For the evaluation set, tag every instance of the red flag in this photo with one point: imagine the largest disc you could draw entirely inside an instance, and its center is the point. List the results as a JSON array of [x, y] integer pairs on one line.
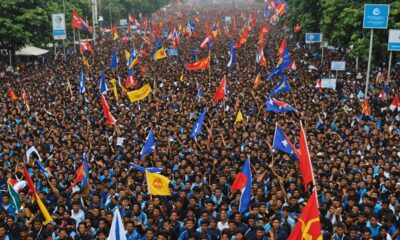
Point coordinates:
[[282, 48], [78, 176], [309, 224], [79, 23], [11, 94], [156, 30], [243, 38], [239, 183], [297, 28], [201, 64], [234, 29], [220, 93], [252, 20], [130, 81], [134, 21], [144, 23], [292, 66], [366, 109], [304, 158], [85, 46], [25, 98], [106, 111], [257, 81], [395, 104], [29, 181]]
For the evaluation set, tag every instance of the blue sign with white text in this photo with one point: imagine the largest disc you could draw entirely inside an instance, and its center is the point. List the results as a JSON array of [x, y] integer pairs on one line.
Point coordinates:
[[376, 16], [313, 37]]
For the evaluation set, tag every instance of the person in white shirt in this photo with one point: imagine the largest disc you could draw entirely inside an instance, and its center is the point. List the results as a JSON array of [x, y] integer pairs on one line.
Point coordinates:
[[77, 213], [223, 220]]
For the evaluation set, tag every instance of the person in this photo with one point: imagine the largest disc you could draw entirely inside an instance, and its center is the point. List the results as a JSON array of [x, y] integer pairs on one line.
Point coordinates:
[[278, 232]]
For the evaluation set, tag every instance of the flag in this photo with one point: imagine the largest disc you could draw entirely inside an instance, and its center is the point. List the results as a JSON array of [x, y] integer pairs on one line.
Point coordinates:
[[133, 20], [106, 111], [221, 90], [86, 63], [69, 87], [43, 169], [277, 106], [243, 182], [383, 95], [283, 64], [206, 42], [395, 104], [297, 28], [25, 99], [199, 91], [304, 159], [239, 117], [160, 53], [155, 28], [243, 37], [15, 200], [81, 83], [282, 48], [214, 29], [114, 31], [283, 86], [292, 66], [11, 94], [114, 60], [85, 175], [226, 30], [257, 81], [144, 24], [139, 94], [114, 85], [143, 169], [130, 80], [201, 64], [157, 184], [198, 125], [309, 225], [282, 143], [77, 22], [78, 178], [117, 230], [149, 146], [85, 46], [131, 58], [103, 85], [29, 181], [43, 209], [366, 109], [232, 60]]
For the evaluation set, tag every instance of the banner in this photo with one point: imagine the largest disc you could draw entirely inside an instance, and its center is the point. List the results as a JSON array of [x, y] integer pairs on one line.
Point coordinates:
[[59, 32], [326, 83], [139, 94]]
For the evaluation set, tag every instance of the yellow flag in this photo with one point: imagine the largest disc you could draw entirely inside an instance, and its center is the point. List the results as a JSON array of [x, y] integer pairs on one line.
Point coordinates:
[[45, 213], [181, 77], [114, 84], [160, 54], [180, 27], [128, 56], [239, 117], [158, 184], [69, 87], [86, 63], [139, 94]]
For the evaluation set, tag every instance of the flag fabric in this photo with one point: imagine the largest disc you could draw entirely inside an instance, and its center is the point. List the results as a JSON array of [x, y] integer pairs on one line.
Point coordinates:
[[201, 64], [155, 28], [81, 82], [139, 94], [11, 94], [232, 59], [117, 230], [43, 169], [309, 225], [149, 146], [133, 20], [85, 175], [292, 66], [283, 64], [114, 31], [114, 85], [160, 54], [43, 209], [199, 91], [15, 199], [18, 185], [206, 42], [304, 159], [106, 111], [257, 81], [383, 95], [198, 125], [85, 46], [260, 58], [86, 63], [221, 90], [78, 178], [214, 29], [29, 182], [282, 143], [77, 22], [130, 80], [103, 85], [239, 117], [243, 182], [395, 104], [143, 169], [274, 105], [366, 109], [244, 35], [25, 99], [158, 184], [283, 86], [282, 48], [114, 60], [131, 58]]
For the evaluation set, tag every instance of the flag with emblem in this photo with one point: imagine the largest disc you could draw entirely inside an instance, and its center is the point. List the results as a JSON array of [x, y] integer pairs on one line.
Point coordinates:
[[243, 183], [274, 105], [282, 86], [158, 184], [282, 142]]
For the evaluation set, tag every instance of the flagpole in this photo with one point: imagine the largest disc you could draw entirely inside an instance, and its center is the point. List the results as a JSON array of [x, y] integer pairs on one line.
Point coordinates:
[[73, 31]]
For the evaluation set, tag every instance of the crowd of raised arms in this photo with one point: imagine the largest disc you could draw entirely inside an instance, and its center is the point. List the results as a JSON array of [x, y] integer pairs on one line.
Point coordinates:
[[93, 147]]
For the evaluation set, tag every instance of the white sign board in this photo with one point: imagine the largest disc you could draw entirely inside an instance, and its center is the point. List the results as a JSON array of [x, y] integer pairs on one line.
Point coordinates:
[[338, 65], [123, 22], [228, 19], [394, 40], [327, 83], [59, 32]]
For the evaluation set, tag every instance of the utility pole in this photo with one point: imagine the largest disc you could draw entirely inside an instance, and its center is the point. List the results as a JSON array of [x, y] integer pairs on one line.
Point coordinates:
[[94, 17]]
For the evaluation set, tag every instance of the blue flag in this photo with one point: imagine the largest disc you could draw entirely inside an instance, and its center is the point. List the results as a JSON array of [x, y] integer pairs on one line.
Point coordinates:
[[114, 60], [172, 52], [243, 182], [43, 169], [283, 86], [232, 60], [285, 62], [283, 143], [149, 146], [199, 92], [198, 125], [103, 85], [85, 174], [143, 169], [277, 106], [194, 58], [81, 82]]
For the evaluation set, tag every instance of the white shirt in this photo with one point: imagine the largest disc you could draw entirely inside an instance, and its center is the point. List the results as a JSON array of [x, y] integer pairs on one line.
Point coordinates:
[[79, 216], [222, 226]]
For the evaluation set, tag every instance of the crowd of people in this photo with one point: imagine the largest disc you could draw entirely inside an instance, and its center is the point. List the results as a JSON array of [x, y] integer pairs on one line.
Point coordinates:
[[355, 157]]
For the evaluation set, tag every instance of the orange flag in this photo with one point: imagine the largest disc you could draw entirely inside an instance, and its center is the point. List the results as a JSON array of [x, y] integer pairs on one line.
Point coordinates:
[[366, 109], [282, 48], [201, 64], [11, 94], [309, 224], [257, 81], [243, 38], [304, 158]]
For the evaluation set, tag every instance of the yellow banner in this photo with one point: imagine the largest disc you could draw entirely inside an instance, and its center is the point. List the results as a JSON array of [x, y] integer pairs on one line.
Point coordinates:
[[139, 94]]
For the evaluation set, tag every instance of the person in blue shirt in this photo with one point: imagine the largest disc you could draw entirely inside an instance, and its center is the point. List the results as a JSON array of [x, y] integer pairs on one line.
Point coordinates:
[[189, 229], [374, 225]]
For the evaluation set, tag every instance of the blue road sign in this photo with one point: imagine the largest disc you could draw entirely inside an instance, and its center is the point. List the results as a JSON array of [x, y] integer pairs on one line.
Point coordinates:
[[313, 37], [394, 40], [376, 16]]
